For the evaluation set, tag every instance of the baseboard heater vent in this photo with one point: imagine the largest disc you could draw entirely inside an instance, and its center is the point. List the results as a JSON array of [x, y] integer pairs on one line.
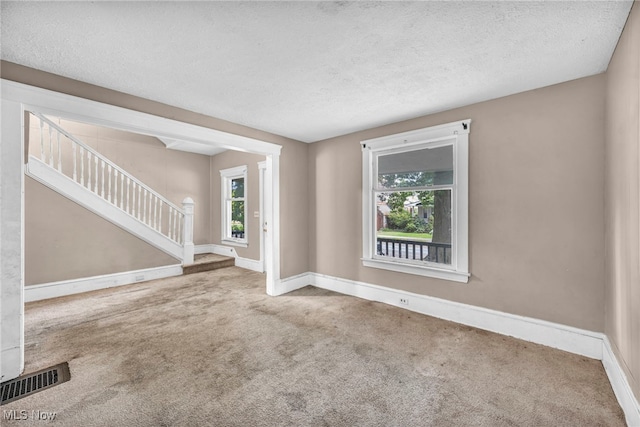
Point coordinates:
[[28, 384]]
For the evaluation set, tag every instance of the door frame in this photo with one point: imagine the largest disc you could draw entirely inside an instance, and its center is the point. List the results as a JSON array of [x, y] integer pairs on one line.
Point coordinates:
[[262, 167]]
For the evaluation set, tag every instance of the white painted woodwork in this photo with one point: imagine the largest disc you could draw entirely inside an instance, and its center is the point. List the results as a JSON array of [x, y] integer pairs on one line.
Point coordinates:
[[11, 241], [262, 166], [454, 133], [226, 178], [189, 248], [620, 385], [74, 286], [97, 167], [100, 206]]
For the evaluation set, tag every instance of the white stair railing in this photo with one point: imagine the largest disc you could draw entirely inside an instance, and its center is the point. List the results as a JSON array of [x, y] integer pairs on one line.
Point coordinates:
[[73, 158]]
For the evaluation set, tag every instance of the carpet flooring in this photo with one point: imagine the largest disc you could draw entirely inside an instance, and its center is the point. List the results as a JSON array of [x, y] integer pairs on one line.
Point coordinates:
[[212, 349]]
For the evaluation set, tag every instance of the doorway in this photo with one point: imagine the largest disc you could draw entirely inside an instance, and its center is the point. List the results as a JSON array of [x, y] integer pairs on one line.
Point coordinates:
[[18, 98]]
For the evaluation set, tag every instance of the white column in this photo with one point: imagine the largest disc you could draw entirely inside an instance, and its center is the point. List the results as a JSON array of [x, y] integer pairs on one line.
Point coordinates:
[[11, 242], [189, 249], [272, 223], [262, 167]]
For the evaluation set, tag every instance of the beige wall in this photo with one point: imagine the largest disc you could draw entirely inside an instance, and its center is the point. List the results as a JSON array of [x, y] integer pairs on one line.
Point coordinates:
[[66, 241], [294, 235], [535, 206], [622, 198], [230, 159], [174, 174]]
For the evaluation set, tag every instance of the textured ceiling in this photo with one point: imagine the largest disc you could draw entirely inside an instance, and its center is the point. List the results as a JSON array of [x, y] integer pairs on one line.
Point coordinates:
[[311, 70]]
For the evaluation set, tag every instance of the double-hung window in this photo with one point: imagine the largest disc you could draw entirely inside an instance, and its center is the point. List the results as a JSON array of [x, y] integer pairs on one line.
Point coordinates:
[[415, 202], [234, 206]]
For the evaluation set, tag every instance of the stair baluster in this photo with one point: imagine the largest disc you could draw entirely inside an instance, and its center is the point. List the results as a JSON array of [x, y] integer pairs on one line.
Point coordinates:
[[89, 169], [50, 147], [81, 166], [75, 167], [108, 182], [95, 185], [59, 153], [42, 141]]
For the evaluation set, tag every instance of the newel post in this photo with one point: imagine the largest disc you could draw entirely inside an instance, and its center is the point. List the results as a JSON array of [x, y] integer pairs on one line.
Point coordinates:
[[187, 205]]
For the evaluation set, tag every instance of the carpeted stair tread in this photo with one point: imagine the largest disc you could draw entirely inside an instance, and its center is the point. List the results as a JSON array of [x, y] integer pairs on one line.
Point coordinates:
[[208, 262]]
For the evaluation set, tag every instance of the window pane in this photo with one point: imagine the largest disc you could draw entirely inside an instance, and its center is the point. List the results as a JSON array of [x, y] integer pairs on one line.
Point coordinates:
[[428, 166], [414, 225], [237, 219], [237, 188]]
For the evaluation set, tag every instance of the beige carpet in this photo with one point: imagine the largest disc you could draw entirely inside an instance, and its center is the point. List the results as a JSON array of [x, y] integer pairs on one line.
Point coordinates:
[[212, 349]]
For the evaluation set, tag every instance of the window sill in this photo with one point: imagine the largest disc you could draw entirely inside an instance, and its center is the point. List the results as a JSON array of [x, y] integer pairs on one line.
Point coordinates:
[[235, 243], [438, 273]]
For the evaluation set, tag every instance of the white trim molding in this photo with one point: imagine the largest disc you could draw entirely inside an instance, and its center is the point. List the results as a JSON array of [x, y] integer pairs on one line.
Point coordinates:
[[86, 284], [293, 283], [262, 168], [567, 338], [87, 111], [249, 264], [11, 240], [620, 385], [212, 248], [454, 135], [227, 176], [100, 206]]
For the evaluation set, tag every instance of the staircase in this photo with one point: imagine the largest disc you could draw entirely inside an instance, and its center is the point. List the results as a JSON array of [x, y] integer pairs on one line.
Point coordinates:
[[78, 172]]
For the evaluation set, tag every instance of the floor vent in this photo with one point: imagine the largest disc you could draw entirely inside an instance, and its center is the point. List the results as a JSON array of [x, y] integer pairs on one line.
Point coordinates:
[[28, 384]]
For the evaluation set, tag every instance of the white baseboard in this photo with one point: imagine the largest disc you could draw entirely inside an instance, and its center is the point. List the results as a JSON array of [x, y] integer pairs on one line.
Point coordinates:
[[620, 385], [75, 286], [212, 248], [249, 264], [574, 340], [292, 283]]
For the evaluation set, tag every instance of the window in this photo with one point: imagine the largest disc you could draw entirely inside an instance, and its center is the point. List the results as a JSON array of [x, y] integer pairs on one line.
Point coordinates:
[[234, 207], [415, 202]]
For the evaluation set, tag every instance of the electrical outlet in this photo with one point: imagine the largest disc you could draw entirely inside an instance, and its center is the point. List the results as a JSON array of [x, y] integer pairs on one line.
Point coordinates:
[[404, 301]]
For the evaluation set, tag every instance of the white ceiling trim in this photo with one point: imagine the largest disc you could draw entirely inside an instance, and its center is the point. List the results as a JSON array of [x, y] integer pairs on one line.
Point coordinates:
[[192, 147], [86, 111]]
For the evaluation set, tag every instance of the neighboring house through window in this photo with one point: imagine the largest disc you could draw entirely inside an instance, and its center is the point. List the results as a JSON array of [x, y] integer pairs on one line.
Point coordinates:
[[415, 202], [234, 206]]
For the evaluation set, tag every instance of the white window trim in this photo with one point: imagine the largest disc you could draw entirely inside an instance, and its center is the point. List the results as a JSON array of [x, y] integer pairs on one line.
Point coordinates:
[[458, 134], [226, 176]]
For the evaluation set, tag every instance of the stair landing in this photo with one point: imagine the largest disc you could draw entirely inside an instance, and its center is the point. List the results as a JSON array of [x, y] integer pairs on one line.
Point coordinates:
[[208, 262]]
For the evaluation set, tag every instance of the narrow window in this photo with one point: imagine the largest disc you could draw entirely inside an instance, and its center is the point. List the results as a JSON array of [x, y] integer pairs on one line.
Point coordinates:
[[415, 202], [234, 207]]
